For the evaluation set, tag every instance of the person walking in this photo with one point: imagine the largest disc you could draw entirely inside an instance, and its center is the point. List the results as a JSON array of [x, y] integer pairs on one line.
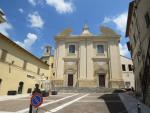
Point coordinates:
[[36, 90]]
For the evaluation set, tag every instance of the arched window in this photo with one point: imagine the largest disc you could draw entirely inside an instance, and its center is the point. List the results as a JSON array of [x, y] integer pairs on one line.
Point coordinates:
[[21, 83], [20, 87]]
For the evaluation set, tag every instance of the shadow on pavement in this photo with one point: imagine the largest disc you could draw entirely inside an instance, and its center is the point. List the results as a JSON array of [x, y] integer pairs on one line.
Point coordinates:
[[114, 103]]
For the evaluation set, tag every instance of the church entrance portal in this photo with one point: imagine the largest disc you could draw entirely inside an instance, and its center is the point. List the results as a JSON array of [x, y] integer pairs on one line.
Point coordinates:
[[70, 79], [101, 80]]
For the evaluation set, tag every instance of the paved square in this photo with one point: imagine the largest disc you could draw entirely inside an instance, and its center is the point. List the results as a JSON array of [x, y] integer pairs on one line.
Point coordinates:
[[68, 103]]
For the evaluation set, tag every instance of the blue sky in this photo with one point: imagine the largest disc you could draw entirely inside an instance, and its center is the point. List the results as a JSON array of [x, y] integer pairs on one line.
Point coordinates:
[[34, 23]]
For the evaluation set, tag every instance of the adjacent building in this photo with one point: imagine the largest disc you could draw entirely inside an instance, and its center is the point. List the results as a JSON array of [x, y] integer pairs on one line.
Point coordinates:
[[48, 58], [19, 69], [138, 31], [88, 60], [127, 72]]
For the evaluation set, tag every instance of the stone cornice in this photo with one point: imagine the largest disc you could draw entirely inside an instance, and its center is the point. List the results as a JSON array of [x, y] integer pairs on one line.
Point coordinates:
[[100, 59], [93, 38], [71, 59]]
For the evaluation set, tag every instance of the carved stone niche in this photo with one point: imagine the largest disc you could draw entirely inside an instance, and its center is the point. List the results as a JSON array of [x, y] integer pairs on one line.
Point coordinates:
[[70, 71], [70, 66], [100, 65]]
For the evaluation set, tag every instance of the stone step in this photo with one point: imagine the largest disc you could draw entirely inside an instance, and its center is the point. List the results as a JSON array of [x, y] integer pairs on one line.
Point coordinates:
[[86, 90]]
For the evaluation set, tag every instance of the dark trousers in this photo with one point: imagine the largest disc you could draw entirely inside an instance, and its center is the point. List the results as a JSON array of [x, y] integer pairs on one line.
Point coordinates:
[[30, 109]]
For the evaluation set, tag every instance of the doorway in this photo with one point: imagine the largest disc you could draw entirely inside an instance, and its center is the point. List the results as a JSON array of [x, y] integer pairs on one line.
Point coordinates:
[[70, 79], [20, 87], [101, 80], [0, 83]]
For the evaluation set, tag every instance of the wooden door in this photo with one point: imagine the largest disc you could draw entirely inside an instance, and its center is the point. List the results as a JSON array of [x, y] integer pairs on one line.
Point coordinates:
[[70, 79], [102, 80]]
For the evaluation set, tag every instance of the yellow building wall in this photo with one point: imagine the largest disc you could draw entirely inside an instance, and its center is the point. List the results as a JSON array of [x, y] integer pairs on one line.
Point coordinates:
[[50, 62], [51, 69], [12, 75], [13, 69], [17, 61], [31, 67]]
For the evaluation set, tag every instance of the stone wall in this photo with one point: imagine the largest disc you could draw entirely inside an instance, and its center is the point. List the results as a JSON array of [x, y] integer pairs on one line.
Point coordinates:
[[87, 83]]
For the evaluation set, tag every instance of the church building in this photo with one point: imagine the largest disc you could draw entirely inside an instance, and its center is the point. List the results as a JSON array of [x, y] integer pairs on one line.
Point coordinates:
[[88, 60]]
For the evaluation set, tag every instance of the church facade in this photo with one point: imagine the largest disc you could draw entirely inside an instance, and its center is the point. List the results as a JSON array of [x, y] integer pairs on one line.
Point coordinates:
[[88, 60]]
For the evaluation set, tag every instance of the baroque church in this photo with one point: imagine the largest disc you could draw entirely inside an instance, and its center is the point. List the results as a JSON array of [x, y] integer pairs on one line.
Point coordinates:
[[88, 60]]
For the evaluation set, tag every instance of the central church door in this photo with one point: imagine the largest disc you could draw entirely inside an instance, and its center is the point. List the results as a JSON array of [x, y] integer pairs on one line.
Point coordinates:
[[102, 80], [70, 79]]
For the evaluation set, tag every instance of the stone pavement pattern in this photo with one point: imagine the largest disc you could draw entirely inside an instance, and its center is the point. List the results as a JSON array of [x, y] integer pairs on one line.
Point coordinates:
[[69, 103], [131, 102]]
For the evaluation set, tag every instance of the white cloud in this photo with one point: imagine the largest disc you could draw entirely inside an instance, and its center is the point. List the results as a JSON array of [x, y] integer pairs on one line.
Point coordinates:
[[35, 2], [5, 27], [35, 20], [61, 6], [28, 42], [20, 10], [32, 2], [123, 49], [120, 21]]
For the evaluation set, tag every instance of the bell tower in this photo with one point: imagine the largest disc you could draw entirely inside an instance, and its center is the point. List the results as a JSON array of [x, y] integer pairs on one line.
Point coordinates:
[[47, 50]]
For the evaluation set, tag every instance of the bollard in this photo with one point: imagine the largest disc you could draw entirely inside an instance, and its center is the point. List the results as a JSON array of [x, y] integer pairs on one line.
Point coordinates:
[[139, 108]]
